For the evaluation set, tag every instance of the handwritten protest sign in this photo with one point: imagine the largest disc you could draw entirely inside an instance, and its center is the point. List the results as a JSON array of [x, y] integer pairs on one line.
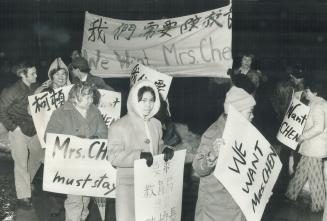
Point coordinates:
[[160, 80], [43, 104], [78, 166], [247, 166], [158, 189], [193, 45], [293, 123], [109, 106]]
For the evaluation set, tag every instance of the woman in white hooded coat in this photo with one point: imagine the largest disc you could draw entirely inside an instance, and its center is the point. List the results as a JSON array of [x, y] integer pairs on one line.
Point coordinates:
[[135, 136]]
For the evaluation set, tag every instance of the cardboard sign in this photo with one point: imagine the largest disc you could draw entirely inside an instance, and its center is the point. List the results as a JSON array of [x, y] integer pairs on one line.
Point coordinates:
[[158, 189], [161, 81], [110, 106], [78, 166], [247, 165], [293, 123], [42, 106], [197, 45]]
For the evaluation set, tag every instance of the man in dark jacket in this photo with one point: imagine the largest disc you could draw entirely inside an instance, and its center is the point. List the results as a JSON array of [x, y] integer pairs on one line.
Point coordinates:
[[25, 149], [81, 72]]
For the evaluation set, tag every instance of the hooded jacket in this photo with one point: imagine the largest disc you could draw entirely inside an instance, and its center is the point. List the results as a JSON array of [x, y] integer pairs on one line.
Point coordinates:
[[130, 135]]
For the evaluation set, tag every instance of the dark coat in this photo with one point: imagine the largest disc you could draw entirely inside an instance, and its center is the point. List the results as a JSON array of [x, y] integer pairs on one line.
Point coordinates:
[[13, 108]]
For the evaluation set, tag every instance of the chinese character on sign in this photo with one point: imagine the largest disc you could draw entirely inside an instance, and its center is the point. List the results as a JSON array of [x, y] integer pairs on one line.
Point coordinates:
[[57, 98], [150, 29], [160, 85], [149, 191], [212, 19], [96, 31], [116, 101], [124, 28], [134, 72], [229, 14], [39, 103], [190, 24], [168, 26]]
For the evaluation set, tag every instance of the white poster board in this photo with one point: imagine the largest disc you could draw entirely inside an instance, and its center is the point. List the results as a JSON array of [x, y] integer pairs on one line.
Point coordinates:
[[110, 106], [78, 166], [42, 106], [247, 166], [159, 188], [197, 45], [160, 80], [293, 123]]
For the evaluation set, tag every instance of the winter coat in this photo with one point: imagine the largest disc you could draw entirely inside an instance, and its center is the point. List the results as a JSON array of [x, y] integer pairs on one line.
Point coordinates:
[[13, 108], [128, 137], [67, 120], [314, 133], [214, 202]]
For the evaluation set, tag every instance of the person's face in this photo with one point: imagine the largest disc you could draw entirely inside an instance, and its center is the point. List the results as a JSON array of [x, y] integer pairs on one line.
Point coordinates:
[[297, 81], [75, 54], [248, 113], [85, 101], [309, 94], [59, 78], [30, 76], [75, 72], [246, 62], [147, 103]]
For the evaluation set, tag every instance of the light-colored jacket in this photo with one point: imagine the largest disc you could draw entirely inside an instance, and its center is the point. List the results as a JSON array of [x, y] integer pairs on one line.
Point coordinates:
[[128, 137], [314, 133], [214, 202]]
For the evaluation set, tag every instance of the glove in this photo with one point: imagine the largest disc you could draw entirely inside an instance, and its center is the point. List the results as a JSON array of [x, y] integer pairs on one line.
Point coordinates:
[[168, 153], [148, 157]]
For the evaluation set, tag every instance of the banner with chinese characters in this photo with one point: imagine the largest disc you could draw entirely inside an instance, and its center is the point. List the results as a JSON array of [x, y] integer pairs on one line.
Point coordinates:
[[293, 123], [197, 45], [43, 104], [247, 165], [160, 80], [158, 189], [78, 166]]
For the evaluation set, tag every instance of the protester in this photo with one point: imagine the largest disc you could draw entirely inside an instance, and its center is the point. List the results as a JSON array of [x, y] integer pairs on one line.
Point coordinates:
[[280, 100], [137, 135], [81, 72], [25, 150], [58, 77], [313, 147], [214, 202], [79, 117]]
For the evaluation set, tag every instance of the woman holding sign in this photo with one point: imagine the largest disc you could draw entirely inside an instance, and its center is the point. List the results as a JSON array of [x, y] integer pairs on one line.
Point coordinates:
[[137, 135], [214, 202]]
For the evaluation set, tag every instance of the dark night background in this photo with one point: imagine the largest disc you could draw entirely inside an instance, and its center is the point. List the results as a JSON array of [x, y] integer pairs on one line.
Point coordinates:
[[279, 34]]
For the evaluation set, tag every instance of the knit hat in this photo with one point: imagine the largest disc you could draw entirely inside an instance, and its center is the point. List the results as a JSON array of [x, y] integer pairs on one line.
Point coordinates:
[[239, 99], [81, 64]]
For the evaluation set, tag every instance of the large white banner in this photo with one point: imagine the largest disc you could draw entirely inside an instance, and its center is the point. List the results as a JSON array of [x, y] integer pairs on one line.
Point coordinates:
[[78, 166], [293, 123], [196, 45], [159, 188], [43, 104], [247, 166], [160, 80]]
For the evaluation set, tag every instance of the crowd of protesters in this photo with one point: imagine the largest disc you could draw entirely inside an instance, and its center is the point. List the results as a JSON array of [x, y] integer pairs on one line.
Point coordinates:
[[140, 134]]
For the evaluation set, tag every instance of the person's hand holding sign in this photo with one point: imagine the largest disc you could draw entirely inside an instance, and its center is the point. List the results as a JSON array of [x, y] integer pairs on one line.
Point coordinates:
[[214, 153]]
